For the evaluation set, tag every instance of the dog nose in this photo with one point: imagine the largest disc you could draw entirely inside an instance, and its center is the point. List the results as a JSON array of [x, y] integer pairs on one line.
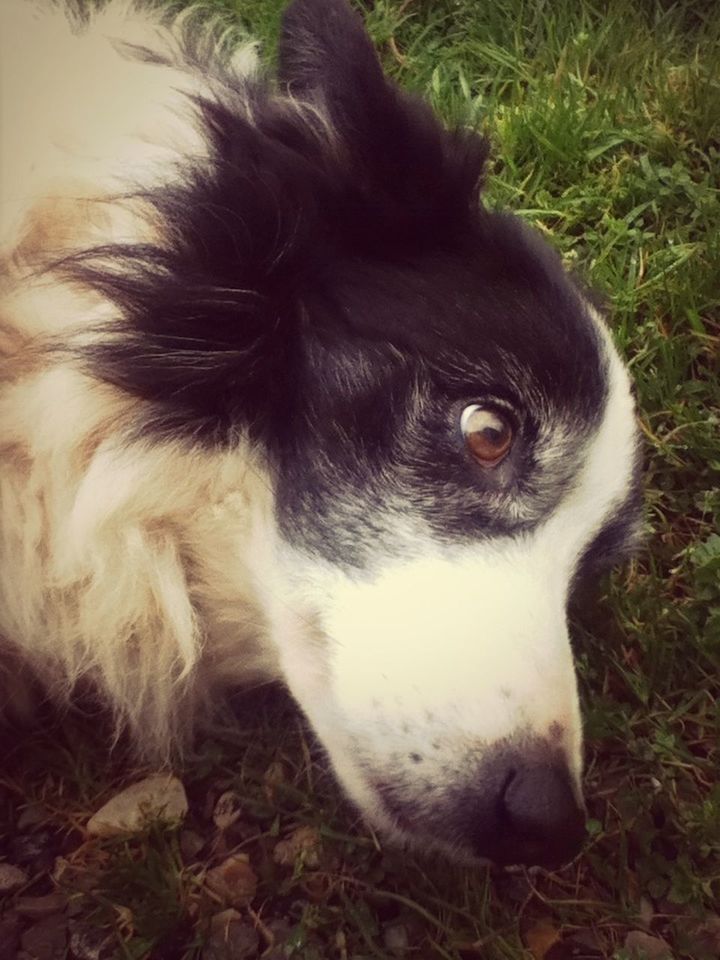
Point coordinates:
[[538, 820], [521, 807]]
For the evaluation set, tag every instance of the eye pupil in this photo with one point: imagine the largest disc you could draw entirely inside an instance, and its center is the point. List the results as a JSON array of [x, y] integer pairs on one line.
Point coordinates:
[[488, 434]]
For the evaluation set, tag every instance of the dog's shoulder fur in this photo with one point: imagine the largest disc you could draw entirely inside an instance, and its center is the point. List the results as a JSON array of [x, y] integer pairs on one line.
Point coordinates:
[[124, 559]]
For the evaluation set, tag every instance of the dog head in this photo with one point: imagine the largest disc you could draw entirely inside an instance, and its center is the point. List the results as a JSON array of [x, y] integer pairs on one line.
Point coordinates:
[[448, 424], [465, 445]]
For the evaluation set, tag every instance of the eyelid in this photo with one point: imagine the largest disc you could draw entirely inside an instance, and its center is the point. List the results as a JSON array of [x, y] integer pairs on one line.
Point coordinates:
[[494, 405], [467, 413]]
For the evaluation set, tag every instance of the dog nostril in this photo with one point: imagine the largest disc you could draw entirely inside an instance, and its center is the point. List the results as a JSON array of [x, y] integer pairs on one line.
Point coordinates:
[[544, 821]]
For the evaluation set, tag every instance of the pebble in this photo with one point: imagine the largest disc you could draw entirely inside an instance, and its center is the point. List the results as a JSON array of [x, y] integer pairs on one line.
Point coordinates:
[[305, 842], [89, 943], [161, 796], [234, 881], [11, 878], [227, 810]]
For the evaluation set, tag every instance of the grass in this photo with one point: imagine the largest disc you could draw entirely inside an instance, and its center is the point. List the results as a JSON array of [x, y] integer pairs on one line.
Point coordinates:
[[606, 125]]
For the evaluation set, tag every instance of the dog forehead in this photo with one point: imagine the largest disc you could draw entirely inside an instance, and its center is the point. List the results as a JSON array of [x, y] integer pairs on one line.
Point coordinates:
[[496, 311]]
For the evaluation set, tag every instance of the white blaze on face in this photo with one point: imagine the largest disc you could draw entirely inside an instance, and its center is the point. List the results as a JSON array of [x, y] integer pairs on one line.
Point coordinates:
[[458, 646], [467, 647]]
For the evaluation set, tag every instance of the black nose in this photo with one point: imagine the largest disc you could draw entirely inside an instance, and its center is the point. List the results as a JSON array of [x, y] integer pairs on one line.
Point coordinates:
[[520, 807], [540, 817]]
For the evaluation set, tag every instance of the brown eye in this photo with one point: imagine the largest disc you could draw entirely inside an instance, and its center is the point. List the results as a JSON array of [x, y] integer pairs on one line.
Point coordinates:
[[488, 434]]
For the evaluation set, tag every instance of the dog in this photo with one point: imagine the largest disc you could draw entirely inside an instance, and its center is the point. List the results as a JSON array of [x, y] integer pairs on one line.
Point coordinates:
[[282, 399]]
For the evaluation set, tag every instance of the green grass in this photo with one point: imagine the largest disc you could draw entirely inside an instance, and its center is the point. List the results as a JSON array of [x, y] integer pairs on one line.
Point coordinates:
[[605, 120]]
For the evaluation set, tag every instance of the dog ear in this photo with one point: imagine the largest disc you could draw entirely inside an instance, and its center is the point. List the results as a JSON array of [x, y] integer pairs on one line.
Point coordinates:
[[407, 177], [325, 54]]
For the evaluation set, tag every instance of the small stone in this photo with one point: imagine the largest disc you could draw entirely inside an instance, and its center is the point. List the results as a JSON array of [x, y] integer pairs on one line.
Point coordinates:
[[46, 940], [395, 938], [90, 943], [230, 938], [159, 797], [41, 906], [642, 945], [11, 878], [304, 842], [227, 810], [234, 881]]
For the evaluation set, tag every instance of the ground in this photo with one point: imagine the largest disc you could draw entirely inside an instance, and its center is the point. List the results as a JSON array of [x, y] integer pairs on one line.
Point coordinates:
[[605, 121]]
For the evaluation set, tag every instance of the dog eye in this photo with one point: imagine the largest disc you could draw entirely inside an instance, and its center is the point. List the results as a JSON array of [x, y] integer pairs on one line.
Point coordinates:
[[488, 434]]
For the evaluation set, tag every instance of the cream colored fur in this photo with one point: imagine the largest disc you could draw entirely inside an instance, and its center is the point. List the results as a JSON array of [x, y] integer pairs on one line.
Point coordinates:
[[121, 561]]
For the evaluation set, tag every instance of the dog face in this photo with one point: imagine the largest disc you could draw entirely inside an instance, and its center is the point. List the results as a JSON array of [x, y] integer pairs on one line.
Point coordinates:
[[448, 427], [465, 444], [461, 456]]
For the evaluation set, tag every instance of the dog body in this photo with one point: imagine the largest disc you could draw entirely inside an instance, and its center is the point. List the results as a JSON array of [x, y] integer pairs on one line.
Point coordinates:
[[280, 399]]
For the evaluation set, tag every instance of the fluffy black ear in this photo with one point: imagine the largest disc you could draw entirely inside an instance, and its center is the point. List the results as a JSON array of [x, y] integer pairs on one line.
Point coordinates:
[[325, 54], [409, 175]]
